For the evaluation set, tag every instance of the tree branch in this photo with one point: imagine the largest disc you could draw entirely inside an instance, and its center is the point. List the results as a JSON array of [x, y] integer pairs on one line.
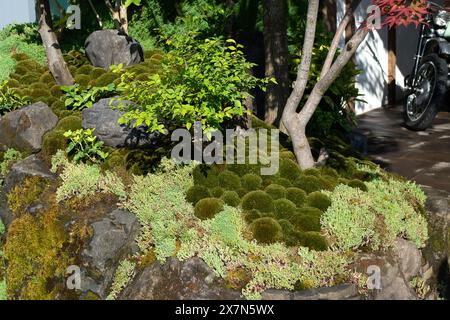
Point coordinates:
[[96, 14]]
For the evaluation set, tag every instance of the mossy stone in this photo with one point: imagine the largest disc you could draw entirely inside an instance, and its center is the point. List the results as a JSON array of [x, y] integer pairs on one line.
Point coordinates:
[[82, 80], [84, 70], [97, 73], [257, 200], [318, 200], [283, 182], [313, 240], [289, 169], [306, 222], [266, 230], [56, 91], [104, 80], [217, 192], [229, 180], [283, 208], [358, 185], [276, 191], [231, 198], [205, 175], [197, 193], [330, 172], [309, 211], [251, 215], [285, 154], [207, 208], [251, 182], [52, 142], [312, 172], [72, 123], [308, 183], [296, 195], [47, 79]]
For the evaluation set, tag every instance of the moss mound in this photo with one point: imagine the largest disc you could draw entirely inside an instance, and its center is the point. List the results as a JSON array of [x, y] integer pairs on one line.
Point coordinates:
[[251, 215], [266, 230], [217, 192], [289, 169], [309, 183], [306, 222], [231, 198], [251, 182], [207, 208], [257, 200], [283, 182], [358, 185], [197, 193], [313, 240], [229, 180], [283, 208], [206, 176], [276, 191], [296, 195], [318, 200], [69, 123]]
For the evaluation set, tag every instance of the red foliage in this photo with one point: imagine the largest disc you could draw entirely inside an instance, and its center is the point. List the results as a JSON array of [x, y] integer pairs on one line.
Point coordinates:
[[402, 12]]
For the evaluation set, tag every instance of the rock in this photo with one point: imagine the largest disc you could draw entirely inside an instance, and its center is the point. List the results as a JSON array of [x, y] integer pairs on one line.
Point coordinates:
[[113, 240], [409, 258], [24, 128], [29, 167], [340, 292], [176, 280], [111, 47], [107, 129]]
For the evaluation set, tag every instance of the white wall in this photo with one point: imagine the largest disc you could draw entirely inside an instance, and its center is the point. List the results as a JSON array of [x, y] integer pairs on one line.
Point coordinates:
[[17, 11]]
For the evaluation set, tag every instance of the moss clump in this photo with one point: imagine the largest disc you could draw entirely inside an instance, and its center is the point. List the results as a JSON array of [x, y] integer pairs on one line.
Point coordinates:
[[358, 185], [251, 215], [97, 73], [56, 91], [286, 226], [47, 79], [276, 191], [229, 180], [306, 222], [313, 240], [206, 176], [283, 182], [25, 194], [289, 169], [312, 172], [197, 193], [217, 192], [309, 211], [207, 208], [69, 123], [318, 200], [38, 86], [283, 208], [82, 80], [309, 183], [52, 142], [231, 198], [266, 230], [285, 154], [105, 80], [85, 70], [251, 182], [328, 171], [257, 200], [242, 192], [296, 195]]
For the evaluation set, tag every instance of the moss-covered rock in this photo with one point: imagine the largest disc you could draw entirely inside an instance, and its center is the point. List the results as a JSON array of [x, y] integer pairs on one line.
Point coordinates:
[[313, 240], [205, 175], [83, 80], [318, 200], [289, 169], [251, 215], [207, 208], [312, 172], [52, 142], [306, 222], [283, 208], [283, 182], [217, 192], [308, 183], [296, 195], [251, 182], [358, 184], [197, 193], [257, 200], [97, 73], [69, 123], [276, 191], [229, 180], [84, 70], [231, 198], [266, 230]]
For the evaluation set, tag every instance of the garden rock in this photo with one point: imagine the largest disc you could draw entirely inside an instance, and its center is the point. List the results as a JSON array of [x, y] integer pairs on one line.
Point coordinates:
[[176, 280], [23, 129], [104, 120], [113, 240], [111, 47], [340, 292]]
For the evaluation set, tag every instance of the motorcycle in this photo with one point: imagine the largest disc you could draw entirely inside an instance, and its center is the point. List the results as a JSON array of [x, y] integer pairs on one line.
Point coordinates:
[[428, 84]]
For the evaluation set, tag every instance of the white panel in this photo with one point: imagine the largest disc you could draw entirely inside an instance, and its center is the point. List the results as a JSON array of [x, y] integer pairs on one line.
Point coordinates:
[[16, 11]]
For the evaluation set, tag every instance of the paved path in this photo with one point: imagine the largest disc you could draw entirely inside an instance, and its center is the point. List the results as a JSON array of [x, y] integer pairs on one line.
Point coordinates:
[[421, 156]]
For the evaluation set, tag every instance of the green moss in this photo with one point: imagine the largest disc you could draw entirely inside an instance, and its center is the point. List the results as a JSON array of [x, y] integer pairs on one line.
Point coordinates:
[[251, 215], [143, 77], [266, 230], [288, 155], [309, 211], [39, 93], [72, 123], [306, 222], [38, 86], [231, 198], [205, 175], [257, 200], [286, 226], [82, 80], [283, 208], [113, 161], [56, 91], [276, 191], [283, 182], [13, 83], [357, 184], [97, 73], [251, 182], [85, 70], [229, 180], [104, 80], [207, 208], [197, 193], [242, 192], [22, 196], [318, 200], [313, 240], [312, 172], [47, 79], [296, 195], [217, 192], [289, 169], [330, 172], [52, 142], [309, 183]]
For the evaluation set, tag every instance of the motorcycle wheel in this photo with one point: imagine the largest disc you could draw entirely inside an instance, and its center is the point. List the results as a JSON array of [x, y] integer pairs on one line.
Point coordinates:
[[428, 95]]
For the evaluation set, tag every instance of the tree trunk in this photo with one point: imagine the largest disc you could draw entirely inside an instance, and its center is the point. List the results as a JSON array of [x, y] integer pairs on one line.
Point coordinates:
[[276, 58], [123, 18], [55, 60]]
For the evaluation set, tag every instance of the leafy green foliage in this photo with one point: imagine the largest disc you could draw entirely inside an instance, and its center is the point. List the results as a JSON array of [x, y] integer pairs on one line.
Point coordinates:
[[84, 146], [79, 99], [200, 80], [9, 157], [10, 99], [123, 275]]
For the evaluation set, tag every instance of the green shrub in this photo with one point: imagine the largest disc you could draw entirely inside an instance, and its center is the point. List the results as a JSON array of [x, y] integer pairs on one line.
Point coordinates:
[[296, 195], [306, 222], [82, 80], [51, 143], [313, 240], [283, 208], [207, 208], [11, 99], [289, 169], [357, 184], [84, 70], [206, 176], [229, 180], [242, 192], [309, 211], [251, 215], [257, 200], [275, 191], [197, 193], [97, 73], [283, 182], [231, 198], [217, 192], [84, 146], [318, 200], [79, 99], [266, 230], [251, 182], [309, 183], [312, 172]]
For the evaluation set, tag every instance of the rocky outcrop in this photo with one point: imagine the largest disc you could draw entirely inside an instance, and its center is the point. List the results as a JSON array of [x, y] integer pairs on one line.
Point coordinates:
[[111, 47], [107, 129], [24, 128], [176, 280], [113, 239], [340, 292]]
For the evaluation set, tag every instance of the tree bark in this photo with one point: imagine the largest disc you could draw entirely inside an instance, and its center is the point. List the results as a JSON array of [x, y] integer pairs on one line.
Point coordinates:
[[55, 60], [276, 58]]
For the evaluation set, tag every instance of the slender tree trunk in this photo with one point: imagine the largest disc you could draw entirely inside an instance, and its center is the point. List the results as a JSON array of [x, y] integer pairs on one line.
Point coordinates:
[[277, 58], [55, 60]]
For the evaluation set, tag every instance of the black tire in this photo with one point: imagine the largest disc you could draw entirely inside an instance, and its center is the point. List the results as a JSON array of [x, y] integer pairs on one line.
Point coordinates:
[[437, 99]]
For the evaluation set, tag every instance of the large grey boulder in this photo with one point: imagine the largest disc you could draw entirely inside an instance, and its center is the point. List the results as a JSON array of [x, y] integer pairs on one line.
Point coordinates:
[[111, 47], [24, 128], [345, 291], [113, 240], [176, 280], [105, 121]]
